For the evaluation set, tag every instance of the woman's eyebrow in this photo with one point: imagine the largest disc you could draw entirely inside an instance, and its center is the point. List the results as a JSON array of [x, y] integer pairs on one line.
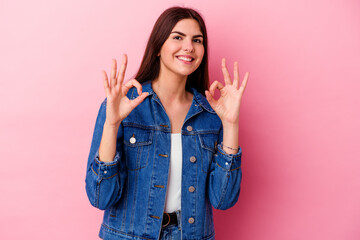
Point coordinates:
[[183, 34]]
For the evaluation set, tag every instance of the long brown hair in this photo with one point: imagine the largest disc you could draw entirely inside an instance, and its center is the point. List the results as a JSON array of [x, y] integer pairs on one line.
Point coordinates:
[[150, 65]]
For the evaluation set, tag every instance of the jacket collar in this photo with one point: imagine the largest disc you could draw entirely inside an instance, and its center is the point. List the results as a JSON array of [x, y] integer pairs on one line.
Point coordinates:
[[198, 97]]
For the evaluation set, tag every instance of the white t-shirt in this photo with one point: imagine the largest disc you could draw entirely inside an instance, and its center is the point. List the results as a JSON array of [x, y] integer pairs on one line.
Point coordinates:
[[173, 193]]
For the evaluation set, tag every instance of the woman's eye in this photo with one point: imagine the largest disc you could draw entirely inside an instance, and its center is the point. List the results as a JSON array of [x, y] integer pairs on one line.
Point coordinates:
[[197, 40], [177, 37]]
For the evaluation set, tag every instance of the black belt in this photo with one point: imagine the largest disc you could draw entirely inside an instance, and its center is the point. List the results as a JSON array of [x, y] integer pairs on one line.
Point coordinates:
[[169, 219]]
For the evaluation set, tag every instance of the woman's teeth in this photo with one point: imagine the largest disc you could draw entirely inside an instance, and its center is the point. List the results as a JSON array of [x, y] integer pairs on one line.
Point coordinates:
[[185, 59]]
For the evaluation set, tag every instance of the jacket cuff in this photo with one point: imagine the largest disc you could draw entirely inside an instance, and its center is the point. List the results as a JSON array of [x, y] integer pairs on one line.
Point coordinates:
[[106, 169], [229, 162]]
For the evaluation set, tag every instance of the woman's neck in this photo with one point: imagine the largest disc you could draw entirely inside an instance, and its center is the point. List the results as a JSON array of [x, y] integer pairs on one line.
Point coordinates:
[[171, 88]]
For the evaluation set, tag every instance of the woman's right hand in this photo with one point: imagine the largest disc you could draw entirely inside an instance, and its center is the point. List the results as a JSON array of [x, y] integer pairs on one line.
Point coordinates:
[[119, 106]]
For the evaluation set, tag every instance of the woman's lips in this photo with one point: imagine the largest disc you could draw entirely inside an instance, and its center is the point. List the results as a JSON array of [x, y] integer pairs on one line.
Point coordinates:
[[185, 59]]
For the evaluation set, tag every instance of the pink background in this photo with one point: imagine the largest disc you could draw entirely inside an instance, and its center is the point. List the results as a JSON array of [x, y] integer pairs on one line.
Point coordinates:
[[299, 118]]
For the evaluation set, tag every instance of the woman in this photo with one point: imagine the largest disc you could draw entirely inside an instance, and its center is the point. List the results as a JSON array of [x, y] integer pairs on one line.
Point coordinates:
[[162, 154]]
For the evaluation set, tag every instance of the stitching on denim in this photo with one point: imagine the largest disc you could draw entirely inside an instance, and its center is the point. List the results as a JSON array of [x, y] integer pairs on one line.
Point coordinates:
[[235, 168], [112, 210], [108, 165], [202, 157], [228, 156], [138, 158], [202, 144], [221, 166], [199, 99], [223, 193], [104, 163], [159, 186], [197, 132], [131, 124], [97, 194], [138, 144], [147, 87], [110, 176], [117, 231], [157, 217], [231, 156], [134, 200], [192, 115], [195, 196], [230, 170], [93, 170], [208, 131], [151, 181]]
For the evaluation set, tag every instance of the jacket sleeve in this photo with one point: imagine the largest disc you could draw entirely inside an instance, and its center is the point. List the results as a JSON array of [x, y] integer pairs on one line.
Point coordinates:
[[225, 178], [104, 180]]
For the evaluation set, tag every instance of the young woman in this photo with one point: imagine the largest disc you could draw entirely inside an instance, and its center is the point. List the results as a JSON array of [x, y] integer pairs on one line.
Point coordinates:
[[162, 154]]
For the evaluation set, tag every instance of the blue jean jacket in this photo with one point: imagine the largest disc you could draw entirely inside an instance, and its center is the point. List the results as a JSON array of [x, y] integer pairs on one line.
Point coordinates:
[[132, 188]]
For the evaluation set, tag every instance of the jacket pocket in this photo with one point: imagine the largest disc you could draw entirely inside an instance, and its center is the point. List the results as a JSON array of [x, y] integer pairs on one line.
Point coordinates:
[[137, 143], [208, 143]]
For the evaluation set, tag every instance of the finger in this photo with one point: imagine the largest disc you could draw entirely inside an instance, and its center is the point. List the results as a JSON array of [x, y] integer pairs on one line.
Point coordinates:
[[113, 73], [121, 74], [244, 82], [225, 72], [139, 99], [212, 88], [132, 83], [236, 75], [106, 83], [215, 85], [210, 98]]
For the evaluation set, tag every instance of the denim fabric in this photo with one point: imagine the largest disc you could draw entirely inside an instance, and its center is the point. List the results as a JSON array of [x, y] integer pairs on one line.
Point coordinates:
[[132, 188], [172, 232]]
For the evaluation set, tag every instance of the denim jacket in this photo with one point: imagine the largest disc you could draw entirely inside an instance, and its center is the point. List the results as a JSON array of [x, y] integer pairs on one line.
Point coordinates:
[[132, 188]]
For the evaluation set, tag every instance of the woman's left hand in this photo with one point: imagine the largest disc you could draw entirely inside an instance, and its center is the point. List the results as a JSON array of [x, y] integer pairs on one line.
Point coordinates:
[[227, 107]]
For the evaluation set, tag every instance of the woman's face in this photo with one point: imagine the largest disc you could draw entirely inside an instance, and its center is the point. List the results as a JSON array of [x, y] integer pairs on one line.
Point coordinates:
[[183, 51]]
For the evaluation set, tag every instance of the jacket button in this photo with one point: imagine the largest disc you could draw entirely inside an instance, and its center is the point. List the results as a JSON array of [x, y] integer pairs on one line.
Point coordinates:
[[192, 159], [132, 140], [191, 189], [191, 220], [189, 128]]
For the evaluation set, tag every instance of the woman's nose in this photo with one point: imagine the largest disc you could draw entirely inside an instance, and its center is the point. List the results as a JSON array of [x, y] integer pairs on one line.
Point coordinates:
[[188, 46]]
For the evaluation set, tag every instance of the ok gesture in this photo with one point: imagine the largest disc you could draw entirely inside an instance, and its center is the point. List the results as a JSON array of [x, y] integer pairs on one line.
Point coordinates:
[[227, 107], [119, 105]]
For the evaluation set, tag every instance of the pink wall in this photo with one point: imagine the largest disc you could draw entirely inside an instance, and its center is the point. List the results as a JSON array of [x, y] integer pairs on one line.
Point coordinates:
[[299, 118]]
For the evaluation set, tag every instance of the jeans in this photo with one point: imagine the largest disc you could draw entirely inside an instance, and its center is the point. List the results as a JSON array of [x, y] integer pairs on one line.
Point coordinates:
[[172, 232]]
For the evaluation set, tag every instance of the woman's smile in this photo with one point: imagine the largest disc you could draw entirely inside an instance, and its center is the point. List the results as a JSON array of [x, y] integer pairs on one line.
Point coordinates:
[[183, 50], [185, 58]]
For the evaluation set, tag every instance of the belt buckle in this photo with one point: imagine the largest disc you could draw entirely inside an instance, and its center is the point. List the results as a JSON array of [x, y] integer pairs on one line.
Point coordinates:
[[168, 221]]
